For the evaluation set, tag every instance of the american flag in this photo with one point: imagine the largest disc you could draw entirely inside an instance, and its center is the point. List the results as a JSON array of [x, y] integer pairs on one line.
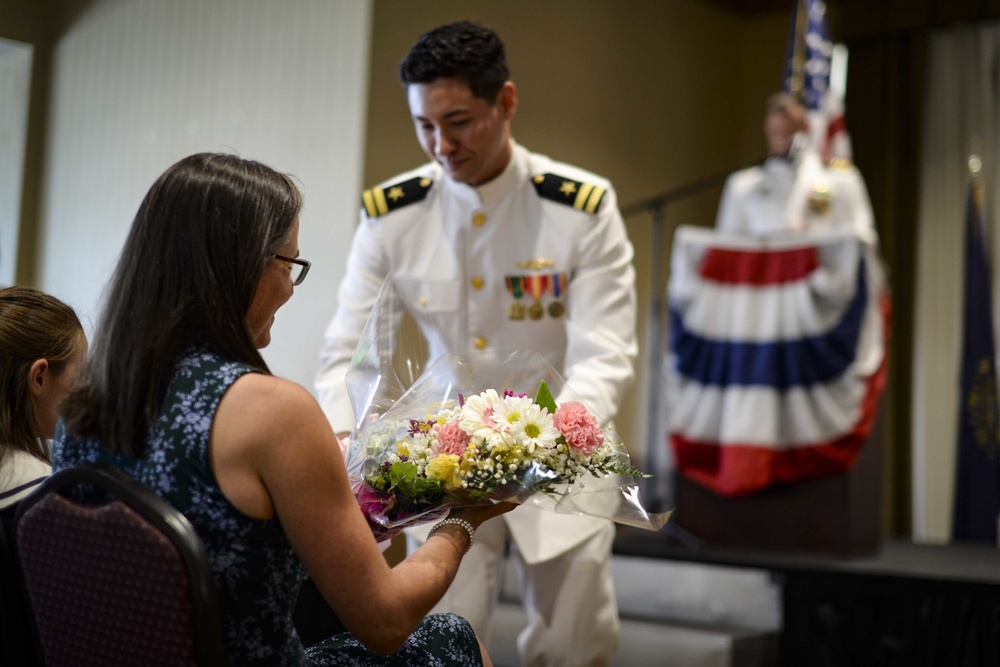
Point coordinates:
[[809, 60]]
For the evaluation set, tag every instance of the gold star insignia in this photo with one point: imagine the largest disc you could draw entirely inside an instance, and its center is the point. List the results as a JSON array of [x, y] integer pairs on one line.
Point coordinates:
[[395, 193], [567, 188]]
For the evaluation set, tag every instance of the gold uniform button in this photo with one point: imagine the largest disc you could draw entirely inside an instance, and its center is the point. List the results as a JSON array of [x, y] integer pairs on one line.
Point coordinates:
[[479, 342], [479, 219], [478, 282]]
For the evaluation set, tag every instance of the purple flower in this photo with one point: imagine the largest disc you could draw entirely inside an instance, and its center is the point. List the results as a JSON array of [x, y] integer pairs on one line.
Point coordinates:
[[417, 427], [369, 501]]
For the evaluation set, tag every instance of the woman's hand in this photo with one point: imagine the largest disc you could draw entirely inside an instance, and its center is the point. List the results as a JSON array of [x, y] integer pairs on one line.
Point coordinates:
[[481, 513]]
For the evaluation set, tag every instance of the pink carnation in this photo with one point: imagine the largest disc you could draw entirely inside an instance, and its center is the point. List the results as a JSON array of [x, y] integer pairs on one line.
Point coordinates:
[[451, 439], [579, 427]]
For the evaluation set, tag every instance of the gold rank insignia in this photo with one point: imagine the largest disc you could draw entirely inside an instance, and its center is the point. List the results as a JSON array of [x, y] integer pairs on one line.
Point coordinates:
[[379, 201], [581, 196]]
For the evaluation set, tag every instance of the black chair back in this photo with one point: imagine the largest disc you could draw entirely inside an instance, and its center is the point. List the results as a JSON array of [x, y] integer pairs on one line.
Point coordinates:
[[17, 628], [115, 575]]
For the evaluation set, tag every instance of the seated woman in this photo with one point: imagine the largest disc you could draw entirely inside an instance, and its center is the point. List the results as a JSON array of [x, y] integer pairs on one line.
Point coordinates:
[[42, 346], [177, 395]]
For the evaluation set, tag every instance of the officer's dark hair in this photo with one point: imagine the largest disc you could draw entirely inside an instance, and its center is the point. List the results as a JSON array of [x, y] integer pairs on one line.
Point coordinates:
[[464, 50]]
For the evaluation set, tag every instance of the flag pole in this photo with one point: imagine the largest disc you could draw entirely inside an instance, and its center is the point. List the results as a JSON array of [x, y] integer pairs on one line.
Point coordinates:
[[798, 50]]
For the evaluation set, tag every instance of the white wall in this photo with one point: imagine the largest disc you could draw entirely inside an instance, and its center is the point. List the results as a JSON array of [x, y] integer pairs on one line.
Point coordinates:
[[138, 84], [15, 82]]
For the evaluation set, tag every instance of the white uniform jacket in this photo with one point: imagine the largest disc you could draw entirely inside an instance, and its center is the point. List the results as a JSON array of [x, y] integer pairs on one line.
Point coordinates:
[[467, 264], [794, 195]]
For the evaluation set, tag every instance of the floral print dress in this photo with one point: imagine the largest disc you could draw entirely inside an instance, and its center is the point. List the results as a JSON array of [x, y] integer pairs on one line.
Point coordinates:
[[256, 571]]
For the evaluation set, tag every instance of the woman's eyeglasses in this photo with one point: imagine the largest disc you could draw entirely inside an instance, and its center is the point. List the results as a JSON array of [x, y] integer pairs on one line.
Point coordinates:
[[300, 268]]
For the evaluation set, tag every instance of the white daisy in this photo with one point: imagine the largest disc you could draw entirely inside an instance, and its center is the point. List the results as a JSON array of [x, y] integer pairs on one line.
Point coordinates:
[[535, 428], [477, 414], [508, 412]]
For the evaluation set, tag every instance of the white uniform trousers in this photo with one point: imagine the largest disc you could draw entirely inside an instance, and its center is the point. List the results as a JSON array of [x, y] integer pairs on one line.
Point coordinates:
[[569, 600]]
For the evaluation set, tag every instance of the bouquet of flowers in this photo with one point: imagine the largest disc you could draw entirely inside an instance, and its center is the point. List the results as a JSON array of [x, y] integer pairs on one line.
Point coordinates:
[[466, 431]]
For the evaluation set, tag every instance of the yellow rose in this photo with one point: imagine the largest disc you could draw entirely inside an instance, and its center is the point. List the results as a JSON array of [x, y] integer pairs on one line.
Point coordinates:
[[445, 468]]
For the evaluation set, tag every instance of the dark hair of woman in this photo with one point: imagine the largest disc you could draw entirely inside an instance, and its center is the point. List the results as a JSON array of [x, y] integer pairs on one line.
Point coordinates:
[[199, 243], [463, 50], [33, 325]]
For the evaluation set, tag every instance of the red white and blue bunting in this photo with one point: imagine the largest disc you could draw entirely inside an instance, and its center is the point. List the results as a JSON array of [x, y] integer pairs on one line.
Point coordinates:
[[778, 356]]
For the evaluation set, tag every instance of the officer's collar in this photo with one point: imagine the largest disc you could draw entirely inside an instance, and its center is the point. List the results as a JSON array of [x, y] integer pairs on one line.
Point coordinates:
[[489, 194], [780, 163]]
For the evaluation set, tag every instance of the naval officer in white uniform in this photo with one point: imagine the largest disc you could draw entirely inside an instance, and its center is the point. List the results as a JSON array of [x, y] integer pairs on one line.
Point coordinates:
[[491, 246], [794, 190]]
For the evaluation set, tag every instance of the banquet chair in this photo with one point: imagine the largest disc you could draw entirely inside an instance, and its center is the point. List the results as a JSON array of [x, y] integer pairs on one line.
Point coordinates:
[[115, 576]]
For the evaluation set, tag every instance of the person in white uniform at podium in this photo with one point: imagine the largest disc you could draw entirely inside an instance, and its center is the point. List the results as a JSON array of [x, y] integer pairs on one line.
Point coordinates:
[[794, 189]]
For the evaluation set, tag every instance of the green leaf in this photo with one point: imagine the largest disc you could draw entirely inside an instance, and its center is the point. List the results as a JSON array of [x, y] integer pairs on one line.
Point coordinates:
[[544, 397], [409, 491], [402, 474]]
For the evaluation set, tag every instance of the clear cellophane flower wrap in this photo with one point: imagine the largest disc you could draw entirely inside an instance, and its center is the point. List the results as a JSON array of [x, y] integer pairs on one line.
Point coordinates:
[[475, 428]]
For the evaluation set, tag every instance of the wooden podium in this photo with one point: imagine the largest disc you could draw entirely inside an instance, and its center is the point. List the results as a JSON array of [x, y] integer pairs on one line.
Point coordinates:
[[838, 515]]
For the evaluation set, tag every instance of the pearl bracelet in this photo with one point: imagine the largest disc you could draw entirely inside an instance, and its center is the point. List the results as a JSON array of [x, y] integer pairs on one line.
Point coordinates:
[[457, 522]]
